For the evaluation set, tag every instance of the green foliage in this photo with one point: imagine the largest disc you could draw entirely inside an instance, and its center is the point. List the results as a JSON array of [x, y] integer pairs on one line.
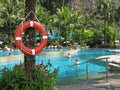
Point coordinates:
[[52, 5], [55, 14], [11, 13], [83, 36], [41, 78], [97, 38], [53, 42], [110, 35]]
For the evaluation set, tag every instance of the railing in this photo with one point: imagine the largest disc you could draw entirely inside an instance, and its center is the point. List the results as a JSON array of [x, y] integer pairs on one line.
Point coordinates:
[[87, 67]]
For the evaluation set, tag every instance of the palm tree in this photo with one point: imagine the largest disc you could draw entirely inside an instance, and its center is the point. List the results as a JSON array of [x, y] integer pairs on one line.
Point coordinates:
[[63, 15]]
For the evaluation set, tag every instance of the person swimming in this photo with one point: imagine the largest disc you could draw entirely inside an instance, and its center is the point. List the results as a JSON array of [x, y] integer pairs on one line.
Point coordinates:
[[68, 56], [77, 62]]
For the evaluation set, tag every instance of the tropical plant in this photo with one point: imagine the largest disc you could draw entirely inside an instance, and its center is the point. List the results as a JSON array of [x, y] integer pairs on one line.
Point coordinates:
[[41, 78], [105, 11], [64, 16], [110, 35], [52, 5], [9, 18], [97, 38]]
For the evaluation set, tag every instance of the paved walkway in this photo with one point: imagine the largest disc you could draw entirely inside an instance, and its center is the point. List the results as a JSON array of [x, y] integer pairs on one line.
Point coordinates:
[[87, 86], [113, 84]]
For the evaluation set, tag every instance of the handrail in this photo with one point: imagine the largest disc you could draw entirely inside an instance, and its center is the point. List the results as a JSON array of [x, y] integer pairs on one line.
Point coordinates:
[[91, 60]]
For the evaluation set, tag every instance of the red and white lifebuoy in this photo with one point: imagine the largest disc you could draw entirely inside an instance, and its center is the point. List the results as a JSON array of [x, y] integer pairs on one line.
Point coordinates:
[[18, 37]]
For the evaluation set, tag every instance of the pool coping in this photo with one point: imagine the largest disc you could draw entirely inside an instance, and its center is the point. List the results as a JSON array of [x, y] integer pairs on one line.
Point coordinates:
[[21, 56]]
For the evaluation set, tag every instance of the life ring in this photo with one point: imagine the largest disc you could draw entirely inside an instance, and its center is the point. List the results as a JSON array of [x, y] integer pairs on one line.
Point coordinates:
[[18, 37]]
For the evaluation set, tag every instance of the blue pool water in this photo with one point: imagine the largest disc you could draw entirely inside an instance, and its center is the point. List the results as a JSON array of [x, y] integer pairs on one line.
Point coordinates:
[[66, 66], [6, 53]]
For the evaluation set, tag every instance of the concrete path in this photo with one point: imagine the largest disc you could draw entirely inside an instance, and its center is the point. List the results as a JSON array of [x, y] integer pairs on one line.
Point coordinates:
[[113, 84], [99, 86]]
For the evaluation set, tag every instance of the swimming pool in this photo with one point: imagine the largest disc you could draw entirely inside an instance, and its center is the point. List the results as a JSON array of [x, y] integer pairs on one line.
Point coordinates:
[[6, 53], [67, 69]]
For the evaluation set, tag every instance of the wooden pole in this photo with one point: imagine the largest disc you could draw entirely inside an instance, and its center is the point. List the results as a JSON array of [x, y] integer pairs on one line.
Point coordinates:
[[106, 69]]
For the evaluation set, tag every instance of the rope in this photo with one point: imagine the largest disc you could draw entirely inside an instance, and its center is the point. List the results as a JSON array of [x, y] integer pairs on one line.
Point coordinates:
[[28, 15], [21, 33], [35, 16], [24, 21]]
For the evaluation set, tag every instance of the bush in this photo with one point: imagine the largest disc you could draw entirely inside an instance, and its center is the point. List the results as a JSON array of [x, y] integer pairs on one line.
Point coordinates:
[[40, 78]]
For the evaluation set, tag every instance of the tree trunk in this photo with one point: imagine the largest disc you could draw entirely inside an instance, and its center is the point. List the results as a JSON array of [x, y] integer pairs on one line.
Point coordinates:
[[29, 60]]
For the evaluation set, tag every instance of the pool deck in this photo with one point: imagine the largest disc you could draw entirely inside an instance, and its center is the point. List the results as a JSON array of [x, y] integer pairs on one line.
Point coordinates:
[[11, 57], [21, 56], [91, 86], [111, 58], [112, 84]]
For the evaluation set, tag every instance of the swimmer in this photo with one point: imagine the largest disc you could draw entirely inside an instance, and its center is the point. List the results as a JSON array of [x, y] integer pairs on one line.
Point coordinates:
[[68, 56], [77, 62]]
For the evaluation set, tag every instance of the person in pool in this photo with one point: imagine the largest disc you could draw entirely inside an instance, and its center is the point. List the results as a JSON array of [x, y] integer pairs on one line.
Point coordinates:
[[68, 56], [77, 62]]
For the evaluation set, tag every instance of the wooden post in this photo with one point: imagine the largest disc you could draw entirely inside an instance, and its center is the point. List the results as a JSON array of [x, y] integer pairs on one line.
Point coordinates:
[[106, 69]]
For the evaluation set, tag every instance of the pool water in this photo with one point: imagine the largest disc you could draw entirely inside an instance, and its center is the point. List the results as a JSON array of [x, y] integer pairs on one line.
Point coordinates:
[[6, 53], [67, 69]]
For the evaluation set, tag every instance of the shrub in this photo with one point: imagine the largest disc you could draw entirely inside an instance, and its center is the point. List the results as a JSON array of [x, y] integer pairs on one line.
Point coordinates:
[[40, 78]]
